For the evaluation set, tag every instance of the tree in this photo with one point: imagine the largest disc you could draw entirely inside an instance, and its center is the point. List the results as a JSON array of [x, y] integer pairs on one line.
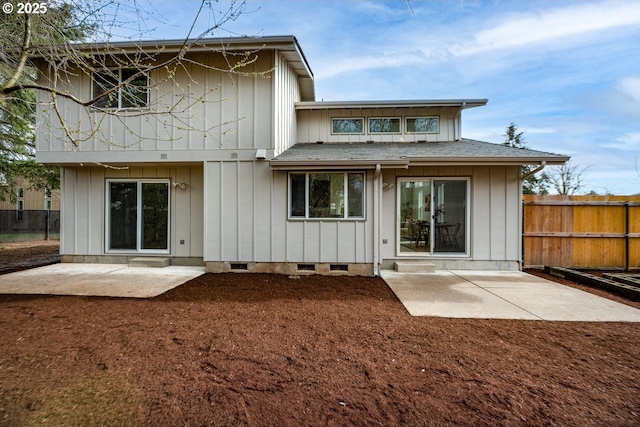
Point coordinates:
[[532, 184], [566, 179], [40, 51], [18, 106]]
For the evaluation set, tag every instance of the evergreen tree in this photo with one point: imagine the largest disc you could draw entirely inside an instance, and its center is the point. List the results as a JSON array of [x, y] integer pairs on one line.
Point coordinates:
[[532, 184]]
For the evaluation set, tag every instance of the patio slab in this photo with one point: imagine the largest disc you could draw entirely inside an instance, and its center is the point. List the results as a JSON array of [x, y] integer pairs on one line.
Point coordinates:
[[501, 295], [110, 280]]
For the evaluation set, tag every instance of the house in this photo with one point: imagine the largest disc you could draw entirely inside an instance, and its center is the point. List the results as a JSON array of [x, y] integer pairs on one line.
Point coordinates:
[[260, 176], [32, 215], [28, 198]]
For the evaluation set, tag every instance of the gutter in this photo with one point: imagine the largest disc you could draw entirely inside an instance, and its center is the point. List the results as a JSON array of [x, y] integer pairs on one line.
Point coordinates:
[[487, 160], [338, 164]]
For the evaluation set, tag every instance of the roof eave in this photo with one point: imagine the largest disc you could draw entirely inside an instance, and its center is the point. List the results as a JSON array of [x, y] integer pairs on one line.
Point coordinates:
[[488, 160], [337, 164], [335, 105], [414, 161]]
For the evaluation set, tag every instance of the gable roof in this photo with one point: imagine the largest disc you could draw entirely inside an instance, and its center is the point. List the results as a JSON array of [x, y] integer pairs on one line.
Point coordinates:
[[286, 45], [403, 154]]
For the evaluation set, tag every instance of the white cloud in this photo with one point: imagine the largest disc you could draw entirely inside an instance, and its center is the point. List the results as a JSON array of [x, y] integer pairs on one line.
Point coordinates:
[[628, 141], [560, 24], [630, 86]]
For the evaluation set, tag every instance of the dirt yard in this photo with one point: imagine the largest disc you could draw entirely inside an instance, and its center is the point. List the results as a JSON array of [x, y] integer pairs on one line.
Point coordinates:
[[16, 256], [260, 350]]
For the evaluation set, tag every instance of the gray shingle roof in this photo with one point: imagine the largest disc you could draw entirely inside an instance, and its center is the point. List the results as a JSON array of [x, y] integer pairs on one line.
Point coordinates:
[[465, 151]]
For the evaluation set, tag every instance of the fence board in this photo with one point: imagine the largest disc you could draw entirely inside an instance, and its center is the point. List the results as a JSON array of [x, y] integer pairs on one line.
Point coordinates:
[[29, 225], [582, 231]]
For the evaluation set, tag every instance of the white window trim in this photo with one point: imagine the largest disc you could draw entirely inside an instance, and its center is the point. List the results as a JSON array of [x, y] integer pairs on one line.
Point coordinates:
[[421, 117], [384, 118], [432, 254], [348, 118], [119, 91], [346, 197], [138, 250]]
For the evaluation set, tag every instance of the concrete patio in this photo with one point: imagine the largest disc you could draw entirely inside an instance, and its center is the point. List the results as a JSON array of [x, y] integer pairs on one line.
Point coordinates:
[[107, 280], [461, 294], [501, 295]]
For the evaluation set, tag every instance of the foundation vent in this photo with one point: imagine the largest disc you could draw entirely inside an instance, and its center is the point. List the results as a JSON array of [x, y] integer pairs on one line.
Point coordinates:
[[239, 266], [306, 267], [338, 267]]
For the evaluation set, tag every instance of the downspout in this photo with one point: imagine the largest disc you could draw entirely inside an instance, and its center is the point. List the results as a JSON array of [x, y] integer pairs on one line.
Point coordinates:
[[376, 221], [457, 129], [535, 171], [521, 213]]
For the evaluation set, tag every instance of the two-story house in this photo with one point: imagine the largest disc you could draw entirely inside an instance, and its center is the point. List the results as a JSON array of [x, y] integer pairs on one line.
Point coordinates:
[[259, 176]]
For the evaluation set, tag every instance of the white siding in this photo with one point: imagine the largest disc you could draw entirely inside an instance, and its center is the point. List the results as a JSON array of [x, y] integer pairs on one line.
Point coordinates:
[[315, 125], [494, 204], [286, 93], [83, 208], [214, 113], [247, 220]]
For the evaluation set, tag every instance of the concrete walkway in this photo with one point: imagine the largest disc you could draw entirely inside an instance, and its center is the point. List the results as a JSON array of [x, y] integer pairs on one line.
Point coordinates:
[[109, 280], [501, 295]]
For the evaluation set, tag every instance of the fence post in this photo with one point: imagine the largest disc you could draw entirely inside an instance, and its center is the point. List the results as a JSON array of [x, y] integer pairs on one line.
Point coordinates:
[[626, 236], [48, 220]]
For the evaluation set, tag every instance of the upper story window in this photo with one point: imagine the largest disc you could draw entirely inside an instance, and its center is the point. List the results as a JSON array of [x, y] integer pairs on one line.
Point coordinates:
[[135, 94], [425, 124], [326, 195], [384, 125], [347, 126]]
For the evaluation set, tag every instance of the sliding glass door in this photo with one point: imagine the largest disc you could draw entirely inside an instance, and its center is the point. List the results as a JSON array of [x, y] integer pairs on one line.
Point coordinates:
[[138, 216], [432, 216]]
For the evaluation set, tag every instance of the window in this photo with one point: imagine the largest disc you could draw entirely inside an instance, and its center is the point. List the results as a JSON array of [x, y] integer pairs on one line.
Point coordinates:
[[433, 216], [134, 94], [47, 199], [326, 195], [347, 126], [422, 124], [20, 204], [20, 209], [384, 125], [138, 215]]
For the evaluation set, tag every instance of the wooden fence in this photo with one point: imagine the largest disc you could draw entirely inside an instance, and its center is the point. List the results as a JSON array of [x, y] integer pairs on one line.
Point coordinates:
[[29, 225], [582, 231]]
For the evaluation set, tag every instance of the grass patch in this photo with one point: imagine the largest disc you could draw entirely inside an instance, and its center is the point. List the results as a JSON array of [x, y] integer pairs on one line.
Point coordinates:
[[100, 400]]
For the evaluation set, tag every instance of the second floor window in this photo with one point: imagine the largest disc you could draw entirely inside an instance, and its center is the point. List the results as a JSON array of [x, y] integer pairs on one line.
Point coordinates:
[[134, 94]]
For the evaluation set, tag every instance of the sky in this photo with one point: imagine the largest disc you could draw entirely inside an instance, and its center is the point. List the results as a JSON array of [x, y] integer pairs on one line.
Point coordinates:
[[567, 73]]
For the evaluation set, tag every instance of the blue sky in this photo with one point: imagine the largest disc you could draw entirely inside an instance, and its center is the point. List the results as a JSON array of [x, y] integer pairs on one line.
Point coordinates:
[[567, 73]]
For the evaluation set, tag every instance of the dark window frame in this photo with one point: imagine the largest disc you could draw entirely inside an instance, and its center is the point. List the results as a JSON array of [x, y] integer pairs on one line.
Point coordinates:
[[307, 203], [126, 97]]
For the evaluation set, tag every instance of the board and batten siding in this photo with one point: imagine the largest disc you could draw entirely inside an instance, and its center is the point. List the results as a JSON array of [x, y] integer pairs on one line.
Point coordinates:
[[494, 213], [315, 125], [83, 204], [213, 111], [286, 93], [246, 207]]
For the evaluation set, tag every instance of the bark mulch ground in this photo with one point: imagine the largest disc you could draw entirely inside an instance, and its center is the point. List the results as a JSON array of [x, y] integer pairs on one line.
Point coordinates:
[[16, 256], [261, 349]]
